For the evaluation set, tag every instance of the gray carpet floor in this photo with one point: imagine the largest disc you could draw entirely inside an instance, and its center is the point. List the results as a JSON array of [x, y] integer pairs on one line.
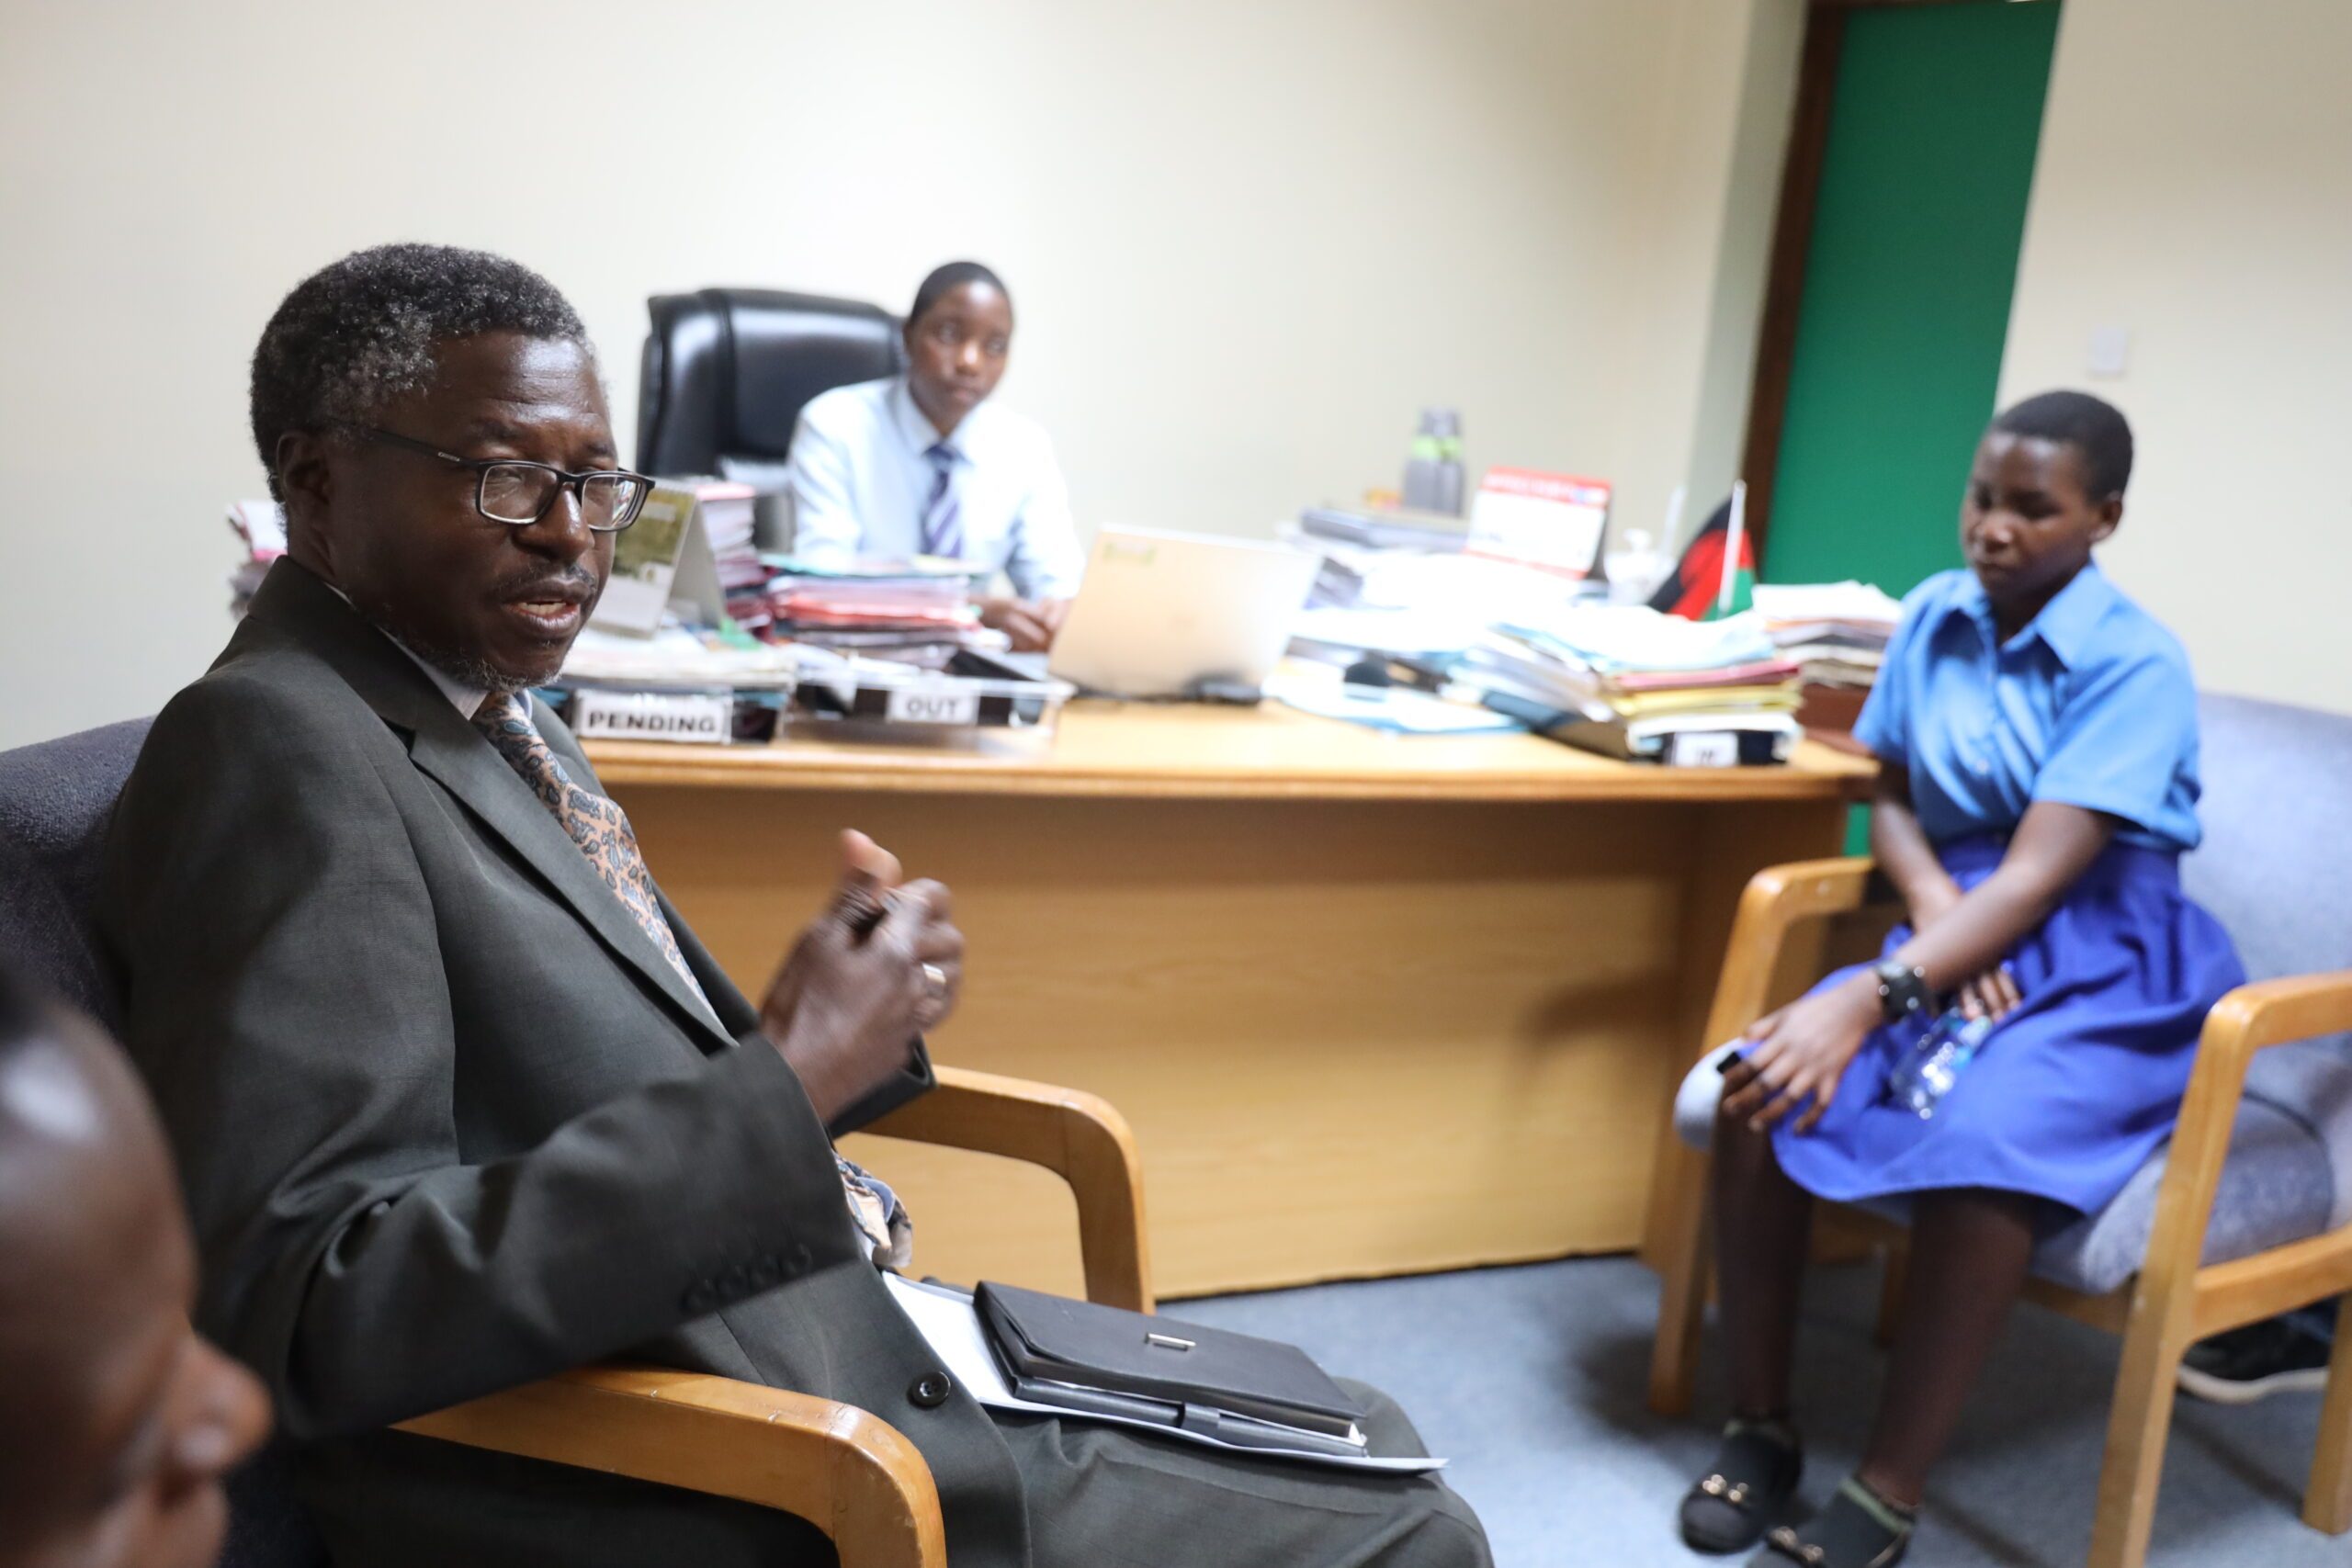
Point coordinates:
[[1530, 1381]]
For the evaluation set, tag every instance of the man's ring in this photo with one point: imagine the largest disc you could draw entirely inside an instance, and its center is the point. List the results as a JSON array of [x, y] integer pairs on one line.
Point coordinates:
[[937, 977]]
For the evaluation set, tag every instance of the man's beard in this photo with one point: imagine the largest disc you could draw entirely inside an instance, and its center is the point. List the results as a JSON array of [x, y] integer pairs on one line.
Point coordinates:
[[471, 672]]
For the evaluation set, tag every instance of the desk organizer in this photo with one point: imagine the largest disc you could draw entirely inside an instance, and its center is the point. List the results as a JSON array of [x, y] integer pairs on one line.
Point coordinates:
[[877, 699]]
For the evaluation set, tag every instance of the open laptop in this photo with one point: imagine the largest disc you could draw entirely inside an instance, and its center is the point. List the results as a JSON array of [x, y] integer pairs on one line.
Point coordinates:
[[1160, 614]]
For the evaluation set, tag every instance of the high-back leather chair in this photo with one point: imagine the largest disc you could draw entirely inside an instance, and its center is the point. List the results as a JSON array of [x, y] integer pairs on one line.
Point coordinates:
[[728, 370]]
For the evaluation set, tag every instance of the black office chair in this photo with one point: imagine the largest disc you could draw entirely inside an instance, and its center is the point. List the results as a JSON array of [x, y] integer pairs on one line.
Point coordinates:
[[728, 370]]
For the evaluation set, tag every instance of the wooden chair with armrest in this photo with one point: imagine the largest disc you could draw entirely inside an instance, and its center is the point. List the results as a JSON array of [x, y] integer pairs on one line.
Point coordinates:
[[848, 1472], [2194, 1279]]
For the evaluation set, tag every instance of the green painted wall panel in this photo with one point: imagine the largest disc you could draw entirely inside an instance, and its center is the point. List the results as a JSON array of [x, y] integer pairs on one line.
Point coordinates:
[[1914, 253]]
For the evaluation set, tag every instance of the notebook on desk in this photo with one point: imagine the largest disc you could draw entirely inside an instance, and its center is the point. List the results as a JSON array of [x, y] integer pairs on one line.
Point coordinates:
[[1160, 614]]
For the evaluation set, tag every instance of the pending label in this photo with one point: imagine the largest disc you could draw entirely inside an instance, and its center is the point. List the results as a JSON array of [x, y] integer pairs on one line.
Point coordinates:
[[694, 717], [918, 704]]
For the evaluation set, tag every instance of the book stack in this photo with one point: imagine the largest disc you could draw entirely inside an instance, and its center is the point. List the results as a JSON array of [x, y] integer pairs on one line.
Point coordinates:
[[1837, 633], [918, 612], [1627, 681], [723, 510]]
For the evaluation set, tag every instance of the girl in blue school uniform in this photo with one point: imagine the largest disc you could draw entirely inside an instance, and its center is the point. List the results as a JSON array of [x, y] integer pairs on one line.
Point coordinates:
[[2038, 736]]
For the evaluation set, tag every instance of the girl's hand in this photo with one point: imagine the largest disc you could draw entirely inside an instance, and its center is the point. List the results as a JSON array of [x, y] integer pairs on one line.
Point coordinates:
[[1994, 994], [1802, 1050]]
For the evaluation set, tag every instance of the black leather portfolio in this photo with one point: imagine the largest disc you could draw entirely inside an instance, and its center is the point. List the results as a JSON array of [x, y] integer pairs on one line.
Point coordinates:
[[1051, 1339]]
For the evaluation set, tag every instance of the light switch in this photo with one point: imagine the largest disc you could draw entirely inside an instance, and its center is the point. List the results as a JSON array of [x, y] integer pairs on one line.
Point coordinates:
[[2110, 349]]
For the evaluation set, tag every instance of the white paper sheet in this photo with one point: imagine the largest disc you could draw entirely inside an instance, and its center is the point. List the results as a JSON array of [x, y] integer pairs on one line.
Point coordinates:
[[951, 1325], [1397, 709]]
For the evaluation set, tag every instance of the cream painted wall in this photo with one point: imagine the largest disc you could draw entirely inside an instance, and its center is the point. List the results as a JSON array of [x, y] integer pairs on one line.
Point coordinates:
[[1248, 241], [2195, 188]]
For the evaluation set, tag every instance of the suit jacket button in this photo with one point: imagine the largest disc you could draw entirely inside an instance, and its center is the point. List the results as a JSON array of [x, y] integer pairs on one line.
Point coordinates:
[[930, 1390], [735, 1284], [799, 1259], [768, 1273]]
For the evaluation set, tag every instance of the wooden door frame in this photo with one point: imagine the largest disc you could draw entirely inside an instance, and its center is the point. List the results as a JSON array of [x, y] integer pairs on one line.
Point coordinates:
[[1776, 340]]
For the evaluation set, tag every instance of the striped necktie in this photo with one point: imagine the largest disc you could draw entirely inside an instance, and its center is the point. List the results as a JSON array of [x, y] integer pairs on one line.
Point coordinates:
[[601, 829], [942, 522]]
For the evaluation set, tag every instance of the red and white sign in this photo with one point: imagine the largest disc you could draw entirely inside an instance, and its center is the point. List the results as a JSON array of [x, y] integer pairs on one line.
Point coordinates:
[[1553, 521]]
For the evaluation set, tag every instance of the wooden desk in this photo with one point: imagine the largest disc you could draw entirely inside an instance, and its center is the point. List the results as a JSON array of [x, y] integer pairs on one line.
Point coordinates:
[[1374, 1004]]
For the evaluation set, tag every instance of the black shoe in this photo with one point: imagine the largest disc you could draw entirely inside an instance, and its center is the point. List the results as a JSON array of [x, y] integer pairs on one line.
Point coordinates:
[[2255, 1362], [1859, 1529], [1754, 1476]]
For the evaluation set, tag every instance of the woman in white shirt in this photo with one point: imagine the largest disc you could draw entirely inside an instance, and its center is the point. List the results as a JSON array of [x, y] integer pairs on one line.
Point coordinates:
[[923, 464]]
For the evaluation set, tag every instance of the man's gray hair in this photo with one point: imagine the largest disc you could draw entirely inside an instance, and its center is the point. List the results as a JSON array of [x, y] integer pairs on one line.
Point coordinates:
[[362, 331]]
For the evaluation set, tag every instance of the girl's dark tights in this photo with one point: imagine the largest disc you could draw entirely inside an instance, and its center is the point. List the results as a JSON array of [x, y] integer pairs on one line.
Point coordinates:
[[1969, 1251]]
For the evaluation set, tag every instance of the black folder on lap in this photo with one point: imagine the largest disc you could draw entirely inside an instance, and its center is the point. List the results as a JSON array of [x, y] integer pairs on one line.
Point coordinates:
[[1052, 1340]]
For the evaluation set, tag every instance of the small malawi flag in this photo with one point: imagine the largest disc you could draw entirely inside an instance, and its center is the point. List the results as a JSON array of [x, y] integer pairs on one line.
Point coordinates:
[[1694, 589]]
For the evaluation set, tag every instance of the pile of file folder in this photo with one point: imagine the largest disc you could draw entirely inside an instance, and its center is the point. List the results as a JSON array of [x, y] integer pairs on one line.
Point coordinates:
[[1627, 681], [1837, 633], [917, 611], [724, 510]]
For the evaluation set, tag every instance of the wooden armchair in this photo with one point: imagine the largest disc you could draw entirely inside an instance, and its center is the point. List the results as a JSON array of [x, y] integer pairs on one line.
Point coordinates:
[[849, 1473], [1791, 922]]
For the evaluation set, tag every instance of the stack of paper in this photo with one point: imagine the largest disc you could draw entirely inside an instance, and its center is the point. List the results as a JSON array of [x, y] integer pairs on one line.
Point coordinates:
[[1415, 602], [676, 657], [724, 510], [1631, 682], [916, 609], [1836, 632]]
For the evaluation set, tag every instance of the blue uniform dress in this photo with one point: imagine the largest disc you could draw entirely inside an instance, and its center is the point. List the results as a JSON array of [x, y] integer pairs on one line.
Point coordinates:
[[2091, 705]]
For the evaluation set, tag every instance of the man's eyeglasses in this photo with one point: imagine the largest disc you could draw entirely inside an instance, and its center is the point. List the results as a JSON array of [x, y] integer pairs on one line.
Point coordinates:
[[519, 493]]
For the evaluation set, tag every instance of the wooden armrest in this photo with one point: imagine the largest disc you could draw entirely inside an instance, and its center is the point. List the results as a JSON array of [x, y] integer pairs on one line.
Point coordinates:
[[1076, 1135], [2252, 1017], [849, 1474], [1776, 900]]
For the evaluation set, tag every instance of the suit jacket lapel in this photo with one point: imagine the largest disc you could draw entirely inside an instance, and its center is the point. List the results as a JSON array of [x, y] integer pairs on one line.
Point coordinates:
[[445, 746]]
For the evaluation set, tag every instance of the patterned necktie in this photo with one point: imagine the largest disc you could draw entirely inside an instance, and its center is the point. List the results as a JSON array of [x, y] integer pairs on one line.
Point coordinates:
[[595, 824], [602, 830], [942, 522]]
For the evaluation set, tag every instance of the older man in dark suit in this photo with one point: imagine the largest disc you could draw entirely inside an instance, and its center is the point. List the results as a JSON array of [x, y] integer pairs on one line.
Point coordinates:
[[460, 1100]]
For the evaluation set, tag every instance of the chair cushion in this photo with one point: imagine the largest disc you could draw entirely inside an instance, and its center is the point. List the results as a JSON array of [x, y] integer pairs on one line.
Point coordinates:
[[55, 797], [54, 800], [2276, 868], [40, 934], [2275, 1187]]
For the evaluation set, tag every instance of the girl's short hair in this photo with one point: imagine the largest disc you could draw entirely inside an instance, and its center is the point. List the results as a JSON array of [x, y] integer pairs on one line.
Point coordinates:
[[2090, 426]]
